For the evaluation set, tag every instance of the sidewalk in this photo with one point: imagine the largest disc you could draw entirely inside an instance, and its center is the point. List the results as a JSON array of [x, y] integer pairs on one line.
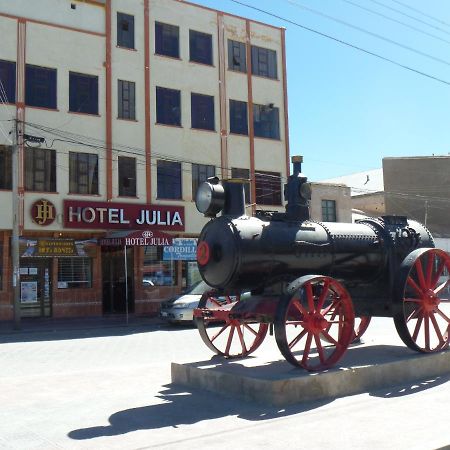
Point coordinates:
[[38, 324]]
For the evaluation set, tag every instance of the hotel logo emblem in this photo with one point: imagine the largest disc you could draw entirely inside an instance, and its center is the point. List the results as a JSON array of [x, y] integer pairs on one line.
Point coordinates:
[[43, 212]]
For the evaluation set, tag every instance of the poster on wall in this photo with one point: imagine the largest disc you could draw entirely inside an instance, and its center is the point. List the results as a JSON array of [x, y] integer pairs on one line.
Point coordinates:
[[28, 291]]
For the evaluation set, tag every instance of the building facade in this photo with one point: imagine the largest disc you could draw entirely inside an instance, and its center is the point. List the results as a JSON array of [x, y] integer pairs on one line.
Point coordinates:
[[113, 112]]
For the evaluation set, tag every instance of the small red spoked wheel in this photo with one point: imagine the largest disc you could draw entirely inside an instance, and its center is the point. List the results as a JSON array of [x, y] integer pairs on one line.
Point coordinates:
[[223, 334], [315, 326], [422, 296], [361, 325]]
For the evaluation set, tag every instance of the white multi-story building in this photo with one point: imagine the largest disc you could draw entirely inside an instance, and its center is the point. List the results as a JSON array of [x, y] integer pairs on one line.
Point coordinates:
[[118, 109]]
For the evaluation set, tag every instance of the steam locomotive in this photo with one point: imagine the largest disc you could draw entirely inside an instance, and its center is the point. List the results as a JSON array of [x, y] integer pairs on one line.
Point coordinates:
[[316, 284]]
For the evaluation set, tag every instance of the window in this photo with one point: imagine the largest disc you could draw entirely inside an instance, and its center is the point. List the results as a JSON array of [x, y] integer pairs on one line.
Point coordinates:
[[75, 272], [237, 56], [127, 176], [268, 188], [202, 111], [8, 81], [40, 169], [167, 40], [83, 173], [200, 47], [245, 175], [329, 210], [169, 179], [200, 172], [5, 167], [83, 93], [264, 62], [40, 86], [168, 106], [125, 30], [156, 271], [127, 99], [238, 117], [266, 121]]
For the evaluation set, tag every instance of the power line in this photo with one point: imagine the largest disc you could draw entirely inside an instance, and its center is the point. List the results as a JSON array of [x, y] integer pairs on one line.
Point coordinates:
[[421, 12], [409, 16], [370, 33], [384, 16], [376, 55]]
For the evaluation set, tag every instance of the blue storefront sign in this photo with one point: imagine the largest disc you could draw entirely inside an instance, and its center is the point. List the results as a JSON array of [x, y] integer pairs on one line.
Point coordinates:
[[184, 249]]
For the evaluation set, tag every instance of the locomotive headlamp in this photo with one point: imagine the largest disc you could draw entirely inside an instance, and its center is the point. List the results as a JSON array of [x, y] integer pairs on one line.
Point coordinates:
[[210, 198], [305, 191]]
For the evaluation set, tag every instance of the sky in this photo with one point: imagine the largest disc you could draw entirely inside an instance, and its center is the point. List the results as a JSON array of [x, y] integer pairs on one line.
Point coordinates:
[[349, 109]]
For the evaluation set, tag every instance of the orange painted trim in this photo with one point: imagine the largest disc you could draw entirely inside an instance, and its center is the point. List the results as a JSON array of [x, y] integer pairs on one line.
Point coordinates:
[[54, 25], [148, 149], [227, 14], [251, 130], [108, 103], [285, 98]]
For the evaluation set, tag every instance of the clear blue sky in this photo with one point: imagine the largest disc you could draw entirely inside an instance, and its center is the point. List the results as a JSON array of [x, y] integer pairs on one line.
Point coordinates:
[[348, 109]]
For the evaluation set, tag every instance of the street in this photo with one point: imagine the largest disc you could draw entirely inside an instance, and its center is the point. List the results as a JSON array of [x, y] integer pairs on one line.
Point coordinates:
[[111, 389]]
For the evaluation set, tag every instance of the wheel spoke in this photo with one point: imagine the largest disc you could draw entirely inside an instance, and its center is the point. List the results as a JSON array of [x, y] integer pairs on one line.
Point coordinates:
[[241, 338], [319, 348], [419, 271], [413, 284], [438, 273], [417, 328], [441, 287], [436, 328], [297, 304], [230, 339], [297, 338], [323, 295], [307, 348], [309, 296], [430, 266], [213, 338], [443, 315], [249, 328], [413, 314], [427, 332], [329, 338]]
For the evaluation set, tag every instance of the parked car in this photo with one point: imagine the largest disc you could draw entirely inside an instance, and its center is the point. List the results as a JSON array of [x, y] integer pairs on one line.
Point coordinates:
[[180, 309]]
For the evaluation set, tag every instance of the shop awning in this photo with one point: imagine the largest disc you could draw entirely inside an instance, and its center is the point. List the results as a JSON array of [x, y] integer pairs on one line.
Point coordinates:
[[132, 238]]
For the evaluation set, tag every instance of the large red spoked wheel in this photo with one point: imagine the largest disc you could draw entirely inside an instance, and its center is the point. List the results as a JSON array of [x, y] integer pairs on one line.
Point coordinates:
[[422, 294], [315, 326], [223, 334]]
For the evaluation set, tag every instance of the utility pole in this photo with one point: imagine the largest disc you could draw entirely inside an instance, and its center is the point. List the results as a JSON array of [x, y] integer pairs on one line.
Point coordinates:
[[15, 229]]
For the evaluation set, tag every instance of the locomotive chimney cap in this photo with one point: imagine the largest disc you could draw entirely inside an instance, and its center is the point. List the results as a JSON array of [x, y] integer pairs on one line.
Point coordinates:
[[297, 159]]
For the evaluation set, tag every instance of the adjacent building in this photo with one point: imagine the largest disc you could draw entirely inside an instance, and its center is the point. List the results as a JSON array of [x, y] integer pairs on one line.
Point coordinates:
[[117, 110]]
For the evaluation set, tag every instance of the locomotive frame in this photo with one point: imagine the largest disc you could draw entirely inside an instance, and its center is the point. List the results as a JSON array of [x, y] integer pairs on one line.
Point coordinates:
[[314, 284]]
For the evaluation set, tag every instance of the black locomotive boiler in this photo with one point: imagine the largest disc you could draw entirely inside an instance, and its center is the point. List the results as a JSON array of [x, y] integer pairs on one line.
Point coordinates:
[[316, 284]]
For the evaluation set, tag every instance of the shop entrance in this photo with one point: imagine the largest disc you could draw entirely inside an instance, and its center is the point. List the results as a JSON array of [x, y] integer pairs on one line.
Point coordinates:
[[116, 280], [35, 287]]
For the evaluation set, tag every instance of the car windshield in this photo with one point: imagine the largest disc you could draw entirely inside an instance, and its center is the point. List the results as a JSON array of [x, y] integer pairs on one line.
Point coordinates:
[[198, 288]]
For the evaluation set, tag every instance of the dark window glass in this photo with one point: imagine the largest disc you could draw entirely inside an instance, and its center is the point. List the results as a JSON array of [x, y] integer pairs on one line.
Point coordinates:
[[167, 40], [8, 81], [125, 30], [238, 117], [127, 176], [268, 188], [83, 93], [168, 179], [264, 62], [202, 111], [329, 210], [83, 173], [168, 106], [40, 169], [5, 167], [40, 86], [156, 271], [75, 272], [200, 173], [237, 56], [127, 99], [200, 47], [245, 175], [266, 121]]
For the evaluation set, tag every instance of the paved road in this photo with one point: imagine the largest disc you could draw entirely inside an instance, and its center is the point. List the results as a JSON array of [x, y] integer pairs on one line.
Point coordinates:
[[110, 389]]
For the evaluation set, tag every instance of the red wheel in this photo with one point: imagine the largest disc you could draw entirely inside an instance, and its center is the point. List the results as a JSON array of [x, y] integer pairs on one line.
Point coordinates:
[[223, 334], [314, 327], [422, 293], [361, 325]]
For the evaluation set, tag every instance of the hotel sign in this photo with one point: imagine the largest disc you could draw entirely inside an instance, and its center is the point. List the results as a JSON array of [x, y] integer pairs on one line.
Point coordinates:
[[108, 215]]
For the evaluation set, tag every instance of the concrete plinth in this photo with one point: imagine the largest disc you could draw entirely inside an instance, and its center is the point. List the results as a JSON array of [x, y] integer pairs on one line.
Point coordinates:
[[269, 379]]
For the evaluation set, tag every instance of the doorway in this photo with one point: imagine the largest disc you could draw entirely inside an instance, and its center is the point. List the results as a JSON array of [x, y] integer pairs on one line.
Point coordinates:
[[35, 287], [116, 280]]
